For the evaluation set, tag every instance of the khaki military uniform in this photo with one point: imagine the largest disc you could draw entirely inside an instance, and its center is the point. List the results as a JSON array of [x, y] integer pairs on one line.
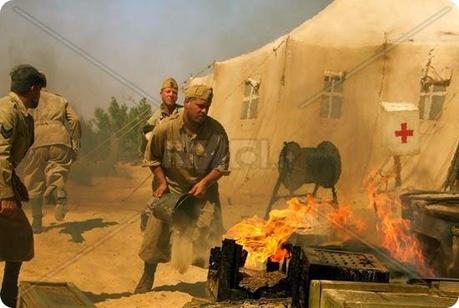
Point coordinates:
[[185, 160], [16, 137], [160, 114], [57, 140]]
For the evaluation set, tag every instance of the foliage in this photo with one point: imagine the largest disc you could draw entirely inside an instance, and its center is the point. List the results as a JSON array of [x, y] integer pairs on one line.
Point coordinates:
[[110, 137]]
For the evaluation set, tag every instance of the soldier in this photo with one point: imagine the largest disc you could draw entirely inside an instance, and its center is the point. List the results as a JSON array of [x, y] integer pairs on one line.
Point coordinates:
[[169, 94], [46, 167], [188, 153], [16, 137]]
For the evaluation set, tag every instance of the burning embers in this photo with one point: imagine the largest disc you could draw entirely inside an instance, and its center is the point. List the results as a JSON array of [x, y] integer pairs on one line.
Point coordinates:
[[229, 280]]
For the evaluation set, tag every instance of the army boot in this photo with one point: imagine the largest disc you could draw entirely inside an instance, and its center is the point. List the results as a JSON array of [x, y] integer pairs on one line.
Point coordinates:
[[36, 205], [146, 281], [61, 198], [9, 291]]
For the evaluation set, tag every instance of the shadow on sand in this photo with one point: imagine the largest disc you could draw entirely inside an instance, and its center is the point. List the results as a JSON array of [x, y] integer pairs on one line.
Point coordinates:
[[197, 289], [97, 298], [76, 228]]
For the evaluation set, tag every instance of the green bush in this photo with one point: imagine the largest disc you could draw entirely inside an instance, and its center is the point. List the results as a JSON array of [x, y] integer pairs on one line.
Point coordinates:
[[112, 136]]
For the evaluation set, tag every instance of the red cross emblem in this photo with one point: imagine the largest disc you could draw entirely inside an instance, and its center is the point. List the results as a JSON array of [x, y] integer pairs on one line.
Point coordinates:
[[404, 133]]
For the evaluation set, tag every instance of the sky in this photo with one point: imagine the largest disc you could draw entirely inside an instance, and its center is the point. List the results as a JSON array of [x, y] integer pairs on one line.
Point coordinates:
[[93, 50]]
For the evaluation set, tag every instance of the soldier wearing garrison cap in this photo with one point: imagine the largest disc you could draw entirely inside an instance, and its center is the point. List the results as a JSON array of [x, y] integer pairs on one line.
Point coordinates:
[[187, 154], [16, 137], [168, 107]]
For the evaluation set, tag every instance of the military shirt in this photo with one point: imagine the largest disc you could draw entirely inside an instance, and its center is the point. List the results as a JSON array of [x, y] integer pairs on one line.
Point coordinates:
[[16, 137], [184, 157], [160, 114], [56, 122]]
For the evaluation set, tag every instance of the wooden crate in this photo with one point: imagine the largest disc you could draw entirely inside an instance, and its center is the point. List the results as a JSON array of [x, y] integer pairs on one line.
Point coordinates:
[[327, 294], [51, 295]]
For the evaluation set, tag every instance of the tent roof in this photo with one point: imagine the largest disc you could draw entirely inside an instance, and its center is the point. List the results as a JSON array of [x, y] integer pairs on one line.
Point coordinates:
[[355, 23], [360, 23]]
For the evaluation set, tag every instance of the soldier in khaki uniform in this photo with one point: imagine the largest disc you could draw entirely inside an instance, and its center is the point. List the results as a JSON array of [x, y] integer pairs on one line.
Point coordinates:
[[46, 167], [188, 153], [168, 107], [16, 137]]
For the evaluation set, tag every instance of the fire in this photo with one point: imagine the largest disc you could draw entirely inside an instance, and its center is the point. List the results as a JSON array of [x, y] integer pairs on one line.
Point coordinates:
[[343, 220], [264, 239], [395, 231]]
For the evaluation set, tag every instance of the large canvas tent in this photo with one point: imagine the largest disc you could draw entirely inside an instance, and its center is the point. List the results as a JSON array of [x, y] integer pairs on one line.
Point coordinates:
[[291, 90]]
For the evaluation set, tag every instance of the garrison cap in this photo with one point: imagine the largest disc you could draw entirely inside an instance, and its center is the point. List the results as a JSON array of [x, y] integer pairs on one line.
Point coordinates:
[[169, 83], [199, 91]]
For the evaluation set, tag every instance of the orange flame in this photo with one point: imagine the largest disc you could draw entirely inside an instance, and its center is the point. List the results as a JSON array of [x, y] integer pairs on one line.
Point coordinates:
[[397, 237], [264, 239]]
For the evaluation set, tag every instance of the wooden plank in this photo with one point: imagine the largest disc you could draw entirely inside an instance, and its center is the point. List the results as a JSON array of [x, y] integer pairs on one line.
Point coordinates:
[[363, 299], [371, 286], [317, 287], [52, 295]]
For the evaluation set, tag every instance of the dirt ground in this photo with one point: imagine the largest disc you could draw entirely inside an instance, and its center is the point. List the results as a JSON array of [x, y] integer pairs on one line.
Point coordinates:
[[96, 247]]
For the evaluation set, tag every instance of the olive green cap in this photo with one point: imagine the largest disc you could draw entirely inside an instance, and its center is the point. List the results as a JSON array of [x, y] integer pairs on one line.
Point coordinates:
[[169, 83], [199, 91]]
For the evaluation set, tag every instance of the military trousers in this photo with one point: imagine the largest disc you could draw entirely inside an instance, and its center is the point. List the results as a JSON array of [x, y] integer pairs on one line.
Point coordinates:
[[46, 168], [206, 232], [16, 238]]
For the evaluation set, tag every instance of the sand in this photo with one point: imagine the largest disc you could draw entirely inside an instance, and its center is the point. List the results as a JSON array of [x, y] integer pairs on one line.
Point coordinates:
[[96, 247]]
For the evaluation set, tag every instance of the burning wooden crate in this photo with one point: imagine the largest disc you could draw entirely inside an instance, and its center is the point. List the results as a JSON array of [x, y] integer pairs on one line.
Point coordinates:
[[229, 280], [434, 218]]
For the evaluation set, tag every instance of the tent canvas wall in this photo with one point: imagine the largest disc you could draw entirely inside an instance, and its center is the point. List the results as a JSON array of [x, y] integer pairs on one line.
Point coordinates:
[[382, 49]]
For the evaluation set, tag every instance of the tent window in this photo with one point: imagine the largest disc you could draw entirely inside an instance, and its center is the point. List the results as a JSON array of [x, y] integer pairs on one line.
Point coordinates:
[[332, 97], [433, 93], [251, 99]]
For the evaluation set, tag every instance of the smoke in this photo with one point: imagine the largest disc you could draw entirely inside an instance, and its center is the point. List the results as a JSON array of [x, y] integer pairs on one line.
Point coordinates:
[[142, 41]]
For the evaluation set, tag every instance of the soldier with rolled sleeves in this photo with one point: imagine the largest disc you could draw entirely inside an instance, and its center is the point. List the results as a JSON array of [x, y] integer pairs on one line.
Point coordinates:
[[47, 165], [188, 153], [16, 137]]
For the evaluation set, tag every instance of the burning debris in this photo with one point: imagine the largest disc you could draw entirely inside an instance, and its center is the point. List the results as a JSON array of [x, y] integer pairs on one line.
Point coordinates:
[[278, 257]]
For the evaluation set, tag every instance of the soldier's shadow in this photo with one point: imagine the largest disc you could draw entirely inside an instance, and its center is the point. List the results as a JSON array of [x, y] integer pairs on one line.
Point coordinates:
[[98, 298], [197, 289], [76, 228]]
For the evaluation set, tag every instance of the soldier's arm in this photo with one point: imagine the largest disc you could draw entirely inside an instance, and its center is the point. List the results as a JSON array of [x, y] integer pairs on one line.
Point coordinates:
[[221, 159], [75, 126], [7, 136], [153, 158]]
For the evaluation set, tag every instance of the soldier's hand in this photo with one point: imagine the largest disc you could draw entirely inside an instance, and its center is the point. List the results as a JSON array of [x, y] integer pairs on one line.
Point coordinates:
[[199, 190], [8, 207], [161, 190]]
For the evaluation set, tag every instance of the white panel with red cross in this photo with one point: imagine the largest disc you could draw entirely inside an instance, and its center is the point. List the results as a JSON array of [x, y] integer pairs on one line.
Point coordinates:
[[400, 128]]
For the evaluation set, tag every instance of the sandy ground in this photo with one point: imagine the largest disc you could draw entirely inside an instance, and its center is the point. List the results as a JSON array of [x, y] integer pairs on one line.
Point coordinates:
[[96, 248]]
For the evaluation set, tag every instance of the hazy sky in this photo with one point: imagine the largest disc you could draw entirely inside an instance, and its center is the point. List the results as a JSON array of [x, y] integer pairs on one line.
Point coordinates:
[[94, 49]]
